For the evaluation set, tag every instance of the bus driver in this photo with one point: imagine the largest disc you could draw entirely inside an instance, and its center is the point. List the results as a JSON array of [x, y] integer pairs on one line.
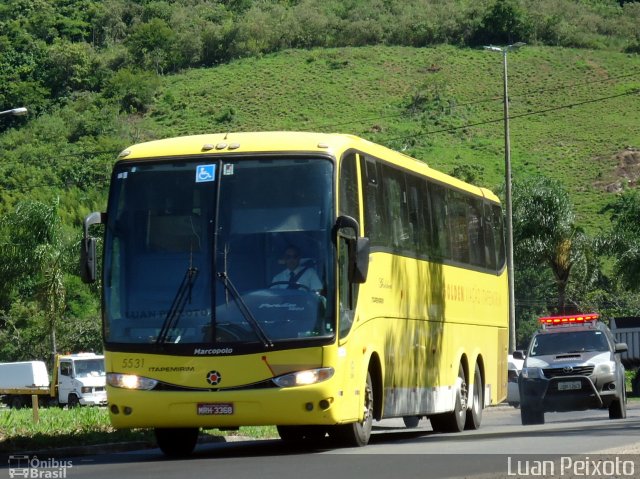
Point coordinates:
[[295, 275]]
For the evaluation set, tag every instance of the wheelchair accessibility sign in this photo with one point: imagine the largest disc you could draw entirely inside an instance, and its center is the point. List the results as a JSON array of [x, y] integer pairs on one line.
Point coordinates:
[[205, 173]]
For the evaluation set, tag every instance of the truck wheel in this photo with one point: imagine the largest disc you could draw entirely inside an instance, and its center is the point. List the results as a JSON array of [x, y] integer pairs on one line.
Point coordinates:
[[73, 401], [531, 416], [618, 408], [635, 384], [17, 402], [177, 442]]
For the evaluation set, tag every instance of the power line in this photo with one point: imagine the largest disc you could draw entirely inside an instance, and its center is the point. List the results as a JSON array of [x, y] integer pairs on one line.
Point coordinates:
[[569, 85], [511, 117], [481, 100]]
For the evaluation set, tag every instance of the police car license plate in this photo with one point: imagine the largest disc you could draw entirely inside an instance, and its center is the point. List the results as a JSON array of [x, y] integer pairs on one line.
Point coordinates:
[[569, 385], [215, 409]]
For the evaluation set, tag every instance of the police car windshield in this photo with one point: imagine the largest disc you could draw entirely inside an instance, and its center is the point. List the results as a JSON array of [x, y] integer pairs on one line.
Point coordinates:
[[568, 342]]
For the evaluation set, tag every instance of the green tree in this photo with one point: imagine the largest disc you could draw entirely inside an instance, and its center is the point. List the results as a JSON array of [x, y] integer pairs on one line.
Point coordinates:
[[151, 44], [504, 22], [623, 242], [133, 90], [33, 264], [70, 67], [545, 233]]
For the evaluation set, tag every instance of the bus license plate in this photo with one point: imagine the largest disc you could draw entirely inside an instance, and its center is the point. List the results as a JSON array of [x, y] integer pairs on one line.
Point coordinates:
[[569, 385], [215, 409]]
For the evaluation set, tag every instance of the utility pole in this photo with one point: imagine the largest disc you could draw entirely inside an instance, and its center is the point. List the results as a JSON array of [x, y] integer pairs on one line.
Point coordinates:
[[507, 191]]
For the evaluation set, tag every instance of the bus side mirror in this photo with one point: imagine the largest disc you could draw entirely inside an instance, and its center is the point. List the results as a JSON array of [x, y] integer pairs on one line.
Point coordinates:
[[88, 260], [359, 266], [358, 247], [88, 255]]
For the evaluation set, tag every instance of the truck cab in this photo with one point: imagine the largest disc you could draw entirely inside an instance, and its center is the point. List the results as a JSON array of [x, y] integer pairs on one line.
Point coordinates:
[[81, 380]]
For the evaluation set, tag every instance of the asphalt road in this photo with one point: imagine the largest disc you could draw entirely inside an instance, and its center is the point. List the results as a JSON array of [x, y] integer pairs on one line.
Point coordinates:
[[497, 449]]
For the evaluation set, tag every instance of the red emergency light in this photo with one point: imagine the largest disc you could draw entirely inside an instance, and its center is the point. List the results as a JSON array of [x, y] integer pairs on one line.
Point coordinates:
[[569, 319]]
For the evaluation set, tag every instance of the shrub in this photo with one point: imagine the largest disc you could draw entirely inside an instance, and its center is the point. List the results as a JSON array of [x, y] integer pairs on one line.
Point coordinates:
[[133, 90]]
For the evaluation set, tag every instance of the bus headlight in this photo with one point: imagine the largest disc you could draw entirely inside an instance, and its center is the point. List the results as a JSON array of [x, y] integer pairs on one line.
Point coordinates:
[[130, 381], [304, 378]]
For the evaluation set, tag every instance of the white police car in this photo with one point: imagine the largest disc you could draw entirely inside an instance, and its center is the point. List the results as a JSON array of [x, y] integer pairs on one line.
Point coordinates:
[[572, 364]]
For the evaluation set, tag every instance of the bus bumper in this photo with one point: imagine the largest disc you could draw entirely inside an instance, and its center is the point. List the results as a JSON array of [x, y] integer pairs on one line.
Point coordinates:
[[317, 404]]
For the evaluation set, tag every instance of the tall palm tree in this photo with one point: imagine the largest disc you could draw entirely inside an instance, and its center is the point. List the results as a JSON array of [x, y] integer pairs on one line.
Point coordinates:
[[623, 242], [545, 232], [33, 262]]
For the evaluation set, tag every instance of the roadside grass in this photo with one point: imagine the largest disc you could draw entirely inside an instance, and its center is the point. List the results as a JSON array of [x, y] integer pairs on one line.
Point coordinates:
[[84, 426]]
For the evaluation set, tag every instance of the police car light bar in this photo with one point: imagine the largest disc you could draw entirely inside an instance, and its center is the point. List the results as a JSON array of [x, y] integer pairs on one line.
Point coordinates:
[[569, 319]]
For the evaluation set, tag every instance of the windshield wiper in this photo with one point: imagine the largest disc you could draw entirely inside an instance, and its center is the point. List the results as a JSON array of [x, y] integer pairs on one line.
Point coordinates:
[[179, 302], [244, 309]]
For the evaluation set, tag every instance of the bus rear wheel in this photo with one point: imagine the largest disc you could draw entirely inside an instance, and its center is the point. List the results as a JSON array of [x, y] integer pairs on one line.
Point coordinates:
[[177, 442], [454, 421], [474, 414], [357, 434]]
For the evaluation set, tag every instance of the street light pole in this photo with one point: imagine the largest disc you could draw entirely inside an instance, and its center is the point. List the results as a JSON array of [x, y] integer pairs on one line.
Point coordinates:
[[507, 192], [15, 111]]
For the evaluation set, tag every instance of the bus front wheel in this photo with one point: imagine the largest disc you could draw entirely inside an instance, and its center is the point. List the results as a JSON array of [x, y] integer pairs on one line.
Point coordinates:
[[177, 442], [357, 434]]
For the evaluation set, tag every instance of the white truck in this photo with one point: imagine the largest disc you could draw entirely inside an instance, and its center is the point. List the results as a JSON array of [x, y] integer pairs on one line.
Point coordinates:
[[78, 379], [627, 330]]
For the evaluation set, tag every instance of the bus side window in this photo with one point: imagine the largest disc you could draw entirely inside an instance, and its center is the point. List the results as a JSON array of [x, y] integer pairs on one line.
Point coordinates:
[[396, 205], [458, 226], [376, 226], [347, 292], [418, 208], [498, 232], [440, 228], [489, 238], [349, 204], [476, 238]]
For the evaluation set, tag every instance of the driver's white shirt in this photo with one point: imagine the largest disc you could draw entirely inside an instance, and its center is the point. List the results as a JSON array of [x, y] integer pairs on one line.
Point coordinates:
[[309, 278]]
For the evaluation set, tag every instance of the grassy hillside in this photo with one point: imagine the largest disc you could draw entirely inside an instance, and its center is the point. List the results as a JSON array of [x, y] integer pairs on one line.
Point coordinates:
[[420, 100]]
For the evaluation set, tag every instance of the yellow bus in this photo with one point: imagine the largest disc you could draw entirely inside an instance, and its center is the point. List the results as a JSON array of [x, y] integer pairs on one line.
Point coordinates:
[[315, 282]]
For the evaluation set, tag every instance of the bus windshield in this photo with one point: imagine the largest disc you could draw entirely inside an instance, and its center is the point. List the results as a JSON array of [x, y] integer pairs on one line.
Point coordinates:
[[214, 253]]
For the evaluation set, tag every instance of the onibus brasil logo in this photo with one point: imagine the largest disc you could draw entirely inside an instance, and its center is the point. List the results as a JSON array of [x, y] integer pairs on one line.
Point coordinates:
[[32, 467]]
